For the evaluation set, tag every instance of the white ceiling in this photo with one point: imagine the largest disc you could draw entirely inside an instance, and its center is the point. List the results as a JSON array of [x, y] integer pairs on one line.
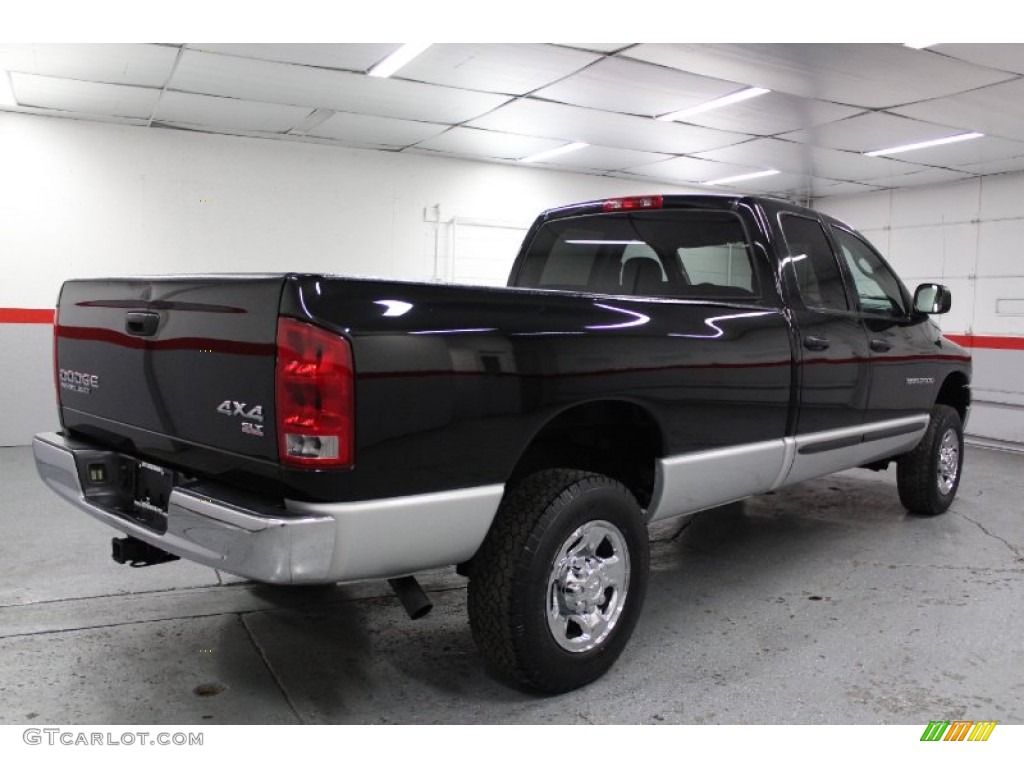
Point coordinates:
[[829, 104]]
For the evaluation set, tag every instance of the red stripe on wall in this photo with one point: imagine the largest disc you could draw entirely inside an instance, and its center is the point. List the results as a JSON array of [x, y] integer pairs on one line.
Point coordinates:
[[987, 342], [38, 316]]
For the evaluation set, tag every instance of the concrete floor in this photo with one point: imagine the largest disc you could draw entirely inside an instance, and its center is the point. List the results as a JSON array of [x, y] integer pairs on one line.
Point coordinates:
[[823, 603]]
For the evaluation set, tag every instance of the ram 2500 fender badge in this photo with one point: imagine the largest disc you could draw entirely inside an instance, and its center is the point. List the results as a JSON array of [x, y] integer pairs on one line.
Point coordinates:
[[77, 381], [920, 381], [253, 418]]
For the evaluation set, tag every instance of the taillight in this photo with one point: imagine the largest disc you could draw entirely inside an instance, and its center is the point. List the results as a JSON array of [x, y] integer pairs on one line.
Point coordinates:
[[632, 203], [314, 398]]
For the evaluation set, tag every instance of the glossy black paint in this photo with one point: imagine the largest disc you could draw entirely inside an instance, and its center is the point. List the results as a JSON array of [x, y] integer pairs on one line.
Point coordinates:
[[453, 382]]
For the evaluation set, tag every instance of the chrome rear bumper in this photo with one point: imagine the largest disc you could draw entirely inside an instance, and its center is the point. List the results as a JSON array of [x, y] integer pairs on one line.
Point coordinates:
[[257, 545], [303, 543]]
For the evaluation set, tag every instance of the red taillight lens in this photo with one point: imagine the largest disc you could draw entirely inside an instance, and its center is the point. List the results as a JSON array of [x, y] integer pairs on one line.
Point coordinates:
[[315, 397], [632, 203]]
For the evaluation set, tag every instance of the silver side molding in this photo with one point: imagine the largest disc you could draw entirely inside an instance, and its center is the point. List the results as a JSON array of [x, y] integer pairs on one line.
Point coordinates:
[[704, 479], [696, 481], [822, 453]]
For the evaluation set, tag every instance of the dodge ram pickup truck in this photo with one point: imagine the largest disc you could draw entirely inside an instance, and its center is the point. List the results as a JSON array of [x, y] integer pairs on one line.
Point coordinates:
[[651, 357]]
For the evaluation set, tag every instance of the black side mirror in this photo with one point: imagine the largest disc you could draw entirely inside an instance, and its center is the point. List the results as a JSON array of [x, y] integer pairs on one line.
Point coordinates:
[[932, 299]]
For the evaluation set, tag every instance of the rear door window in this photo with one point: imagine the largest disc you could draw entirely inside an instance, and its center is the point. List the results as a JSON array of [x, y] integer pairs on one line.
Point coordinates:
[[813, 264]]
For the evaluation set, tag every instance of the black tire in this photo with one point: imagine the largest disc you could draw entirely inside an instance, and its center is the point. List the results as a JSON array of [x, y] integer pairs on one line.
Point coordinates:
[[533, 558], [929, 475]]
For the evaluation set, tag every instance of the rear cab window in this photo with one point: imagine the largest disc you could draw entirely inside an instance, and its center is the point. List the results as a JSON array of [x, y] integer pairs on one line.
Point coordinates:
[[667, 253]]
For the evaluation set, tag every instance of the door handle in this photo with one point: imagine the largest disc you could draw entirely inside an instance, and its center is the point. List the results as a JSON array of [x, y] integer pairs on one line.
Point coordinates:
[[880, 345], [141, 323], [815, 343]]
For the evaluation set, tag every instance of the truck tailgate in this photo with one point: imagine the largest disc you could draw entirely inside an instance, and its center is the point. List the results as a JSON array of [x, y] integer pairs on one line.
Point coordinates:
[[188, 359]]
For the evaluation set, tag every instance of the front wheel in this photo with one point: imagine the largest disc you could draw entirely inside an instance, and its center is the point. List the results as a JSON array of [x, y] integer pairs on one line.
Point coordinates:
[[558, 584], [929, 475]]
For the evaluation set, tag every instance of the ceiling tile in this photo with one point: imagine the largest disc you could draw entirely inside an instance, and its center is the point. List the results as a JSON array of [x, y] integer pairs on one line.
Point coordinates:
[[492, 144], [560, 121], [497, 68], [220, 75], [123, 64], [773, 113], [599, 47], [867, 132], [691, 170], [621, 85], [1008, 57], [863, 75], [84, 97], [825, 188], [919, 178], [604, 159], [1010, 165], [806, 160], [220, 112], [355, 57], [367, 130], [997, 110]]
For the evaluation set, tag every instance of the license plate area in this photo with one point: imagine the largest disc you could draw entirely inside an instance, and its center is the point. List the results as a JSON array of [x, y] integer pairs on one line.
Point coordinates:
[[151, 491]]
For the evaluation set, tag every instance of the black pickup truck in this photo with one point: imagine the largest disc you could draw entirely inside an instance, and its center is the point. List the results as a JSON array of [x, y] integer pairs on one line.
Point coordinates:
[[651, 357]]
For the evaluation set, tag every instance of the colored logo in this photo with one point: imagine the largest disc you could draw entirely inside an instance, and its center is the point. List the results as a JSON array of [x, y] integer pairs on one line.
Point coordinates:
[[958, 730]]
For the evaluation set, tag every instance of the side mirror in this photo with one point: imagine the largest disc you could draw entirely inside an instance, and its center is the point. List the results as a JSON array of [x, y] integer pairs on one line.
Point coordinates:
[[932, 299]]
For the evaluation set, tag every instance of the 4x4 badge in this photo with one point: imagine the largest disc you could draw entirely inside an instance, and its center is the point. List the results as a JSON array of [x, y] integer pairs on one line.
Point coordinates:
[[235, 408]]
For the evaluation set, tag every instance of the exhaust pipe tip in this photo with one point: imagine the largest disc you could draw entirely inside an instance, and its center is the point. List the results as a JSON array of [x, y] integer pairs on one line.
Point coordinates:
[[412, 597]]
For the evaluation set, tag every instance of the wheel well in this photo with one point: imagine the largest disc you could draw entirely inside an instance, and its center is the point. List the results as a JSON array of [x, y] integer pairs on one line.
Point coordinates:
[[614, 438], [956, 392]]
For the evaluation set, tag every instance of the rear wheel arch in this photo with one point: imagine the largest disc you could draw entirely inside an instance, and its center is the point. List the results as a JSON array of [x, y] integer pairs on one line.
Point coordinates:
[[616, 438]]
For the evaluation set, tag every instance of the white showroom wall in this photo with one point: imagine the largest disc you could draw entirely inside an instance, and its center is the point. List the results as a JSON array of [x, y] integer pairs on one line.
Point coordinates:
[[85, 199], [968, 235]]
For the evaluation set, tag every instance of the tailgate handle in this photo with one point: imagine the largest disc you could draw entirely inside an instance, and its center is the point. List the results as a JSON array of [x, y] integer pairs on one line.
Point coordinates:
[[141, 323]]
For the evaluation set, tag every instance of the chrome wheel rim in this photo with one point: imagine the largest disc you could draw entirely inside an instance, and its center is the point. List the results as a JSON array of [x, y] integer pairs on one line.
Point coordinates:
[[949, 461], [587, 586]]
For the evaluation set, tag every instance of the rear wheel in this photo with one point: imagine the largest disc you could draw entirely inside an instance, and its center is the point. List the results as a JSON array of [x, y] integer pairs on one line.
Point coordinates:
[[558, 585], [929, 475]]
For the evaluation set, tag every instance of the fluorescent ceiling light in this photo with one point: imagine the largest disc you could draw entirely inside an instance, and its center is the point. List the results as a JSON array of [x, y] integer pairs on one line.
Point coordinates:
[[707, 106], [398, 59], [741, 177], [6, 92], [925, 144], [549, 153]]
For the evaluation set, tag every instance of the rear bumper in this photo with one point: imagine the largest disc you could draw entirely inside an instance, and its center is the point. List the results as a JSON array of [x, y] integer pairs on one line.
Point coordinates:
[[260, 546], [308, 544]]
